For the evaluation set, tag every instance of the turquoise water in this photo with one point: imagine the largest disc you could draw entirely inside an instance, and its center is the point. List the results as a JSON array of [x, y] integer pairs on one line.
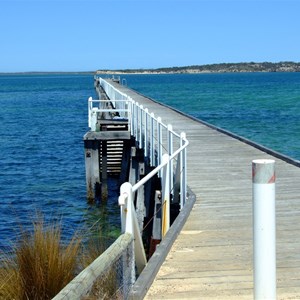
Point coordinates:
[[42, 123], [264, 107], [44, 117]]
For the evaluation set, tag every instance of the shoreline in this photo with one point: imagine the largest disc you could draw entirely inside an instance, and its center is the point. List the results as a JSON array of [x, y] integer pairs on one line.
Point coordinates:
[[264, 67], [252, 67], [185, 72]]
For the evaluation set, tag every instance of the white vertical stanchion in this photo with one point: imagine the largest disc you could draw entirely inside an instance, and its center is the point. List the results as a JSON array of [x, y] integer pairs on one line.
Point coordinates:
[[125, 206], [170, 150], [264, 229], [141, 127], [159, 141], [137, 133], [90, 106], [182, 171], [130, 225], [146, 128], [152, 148], [165, 195], [132, 116], [125, 202]]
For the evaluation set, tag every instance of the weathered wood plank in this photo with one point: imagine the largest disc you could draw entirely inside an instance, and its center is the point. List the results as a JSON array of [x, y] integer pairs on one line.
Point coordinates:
[[212, 256]]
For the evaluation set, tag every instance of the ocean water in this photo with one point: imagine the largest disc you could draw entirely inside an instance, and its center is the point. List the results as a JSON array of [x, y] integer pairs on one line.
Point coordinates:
[[42, 122], [263, 107], [43, 119]]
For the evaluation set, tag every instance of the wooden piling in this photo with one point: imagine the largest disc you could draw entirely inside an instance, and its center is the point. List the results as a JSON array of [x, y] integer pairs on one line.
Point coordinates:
[[91, 148]]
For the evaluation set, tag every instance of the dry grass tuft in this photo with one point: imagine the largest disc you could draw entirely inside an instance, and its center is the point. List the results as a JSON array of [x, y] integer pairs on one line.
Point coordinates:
[[9, 279], [41, 267]]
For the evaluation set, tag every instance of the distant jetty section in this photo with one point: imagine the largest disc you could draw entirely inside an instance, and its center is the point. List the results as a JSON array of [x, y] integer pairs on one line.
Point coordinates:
[[214, 68]]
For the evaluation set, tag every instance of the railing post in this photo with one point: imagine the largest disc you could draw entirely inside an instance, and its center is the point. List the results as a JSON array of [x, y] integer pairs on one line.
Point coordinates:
[[130, 225], [182, 171], [152, 151], [170, 152], [146, 125], [160, 145], [125, 200], [264, 229], [141, 127], [166, 195], [90, 106], [137, 116], [126, 213], [132, 116]]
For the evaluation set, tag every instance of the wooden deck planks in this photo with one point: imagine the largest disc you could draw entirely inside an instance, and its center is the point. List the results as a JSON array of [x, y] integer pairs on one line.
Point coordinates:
[[212, 256]]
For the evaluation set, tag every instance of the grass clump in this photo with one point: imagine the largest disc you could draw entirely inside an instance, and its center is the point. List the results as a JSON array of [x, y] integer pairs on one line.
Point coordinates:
[[41, 265]]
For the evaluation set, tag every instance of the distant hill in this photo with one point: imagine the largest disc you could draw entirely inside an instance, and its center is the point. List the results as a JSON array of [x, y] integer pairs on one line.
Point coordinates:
[[285, 66]]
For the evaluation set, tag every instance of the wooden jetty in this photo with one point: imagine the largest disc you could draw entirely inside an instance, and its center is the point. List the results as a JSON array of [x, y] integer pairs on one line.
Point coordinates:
[[212, 256], [106, 145]]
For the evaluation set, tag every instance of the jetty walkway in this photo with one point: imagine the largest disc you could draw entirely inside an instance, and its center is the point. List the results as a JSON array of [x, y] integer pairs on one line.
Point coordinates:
[[212, 256]]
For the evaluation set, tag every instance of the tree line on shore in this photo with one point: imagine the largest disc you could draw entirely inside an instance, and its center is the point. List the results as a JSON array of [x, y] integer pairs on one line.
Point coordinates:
[[286, 66]]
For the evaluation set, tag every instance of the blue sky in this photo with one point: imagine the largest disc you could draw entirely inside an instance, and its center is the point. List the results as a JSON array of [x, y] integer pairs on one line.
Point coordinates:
[[86, 35]]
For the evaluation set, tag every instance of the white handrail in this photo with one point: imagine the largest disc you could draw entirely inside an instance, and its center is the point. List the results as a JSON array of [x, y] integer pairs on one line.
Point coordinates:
[[151, 132], [139, 123], [121, 106]]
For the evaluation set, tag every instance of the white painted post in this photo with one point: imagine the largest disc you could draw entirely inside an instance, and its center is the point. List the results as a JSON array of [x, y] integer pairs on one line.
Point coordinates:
[[126, 214], [132, 116], [146, 125], [170, 150], [136, 117], [182, 171], [152, 151], [165, 195], [130, 225], [141, 127], [159, 146], [90, 115], [125, 202], [264, 229]]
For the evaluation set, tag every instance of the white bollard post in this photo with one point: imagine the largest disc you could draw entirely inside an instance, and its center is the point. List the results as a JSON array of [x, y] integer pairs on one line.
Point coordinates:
[[264, 229]]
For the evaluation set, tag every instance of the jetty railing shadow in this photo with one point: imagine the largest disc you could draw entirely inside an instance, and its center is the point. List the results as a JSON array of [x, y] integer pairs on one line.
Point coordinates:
[[165, 151]]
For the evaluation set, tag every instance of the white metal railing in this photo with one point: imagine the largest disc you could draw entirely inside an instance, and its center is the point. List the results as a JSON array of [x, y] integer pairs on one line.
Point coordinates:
[[151, 134], [166, 151], [106, 109], [111, 91]]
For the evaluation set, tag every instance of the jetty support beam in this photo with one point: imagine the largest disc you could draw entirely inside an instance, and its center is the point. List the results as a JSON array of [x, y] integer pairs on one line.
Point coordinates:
[[91, 149]]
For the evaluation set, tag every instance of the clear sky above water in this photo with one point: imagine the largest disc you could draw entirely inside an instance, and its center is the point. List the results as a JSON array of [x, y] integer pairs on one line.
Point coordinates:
[[85, 35]]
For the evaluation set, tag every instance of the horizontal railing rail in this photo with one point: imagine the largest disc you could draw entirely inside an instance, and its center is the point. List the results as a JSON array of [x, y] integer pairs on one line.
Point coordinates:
[[166, 151], [106, 109], [157, 139], [109, 274]]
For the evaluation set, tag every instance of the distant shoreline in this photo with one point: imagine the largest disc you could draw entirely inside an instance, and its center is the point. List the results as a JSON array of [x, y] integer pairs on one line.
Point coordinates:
[[266, 67], [214, 68]]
